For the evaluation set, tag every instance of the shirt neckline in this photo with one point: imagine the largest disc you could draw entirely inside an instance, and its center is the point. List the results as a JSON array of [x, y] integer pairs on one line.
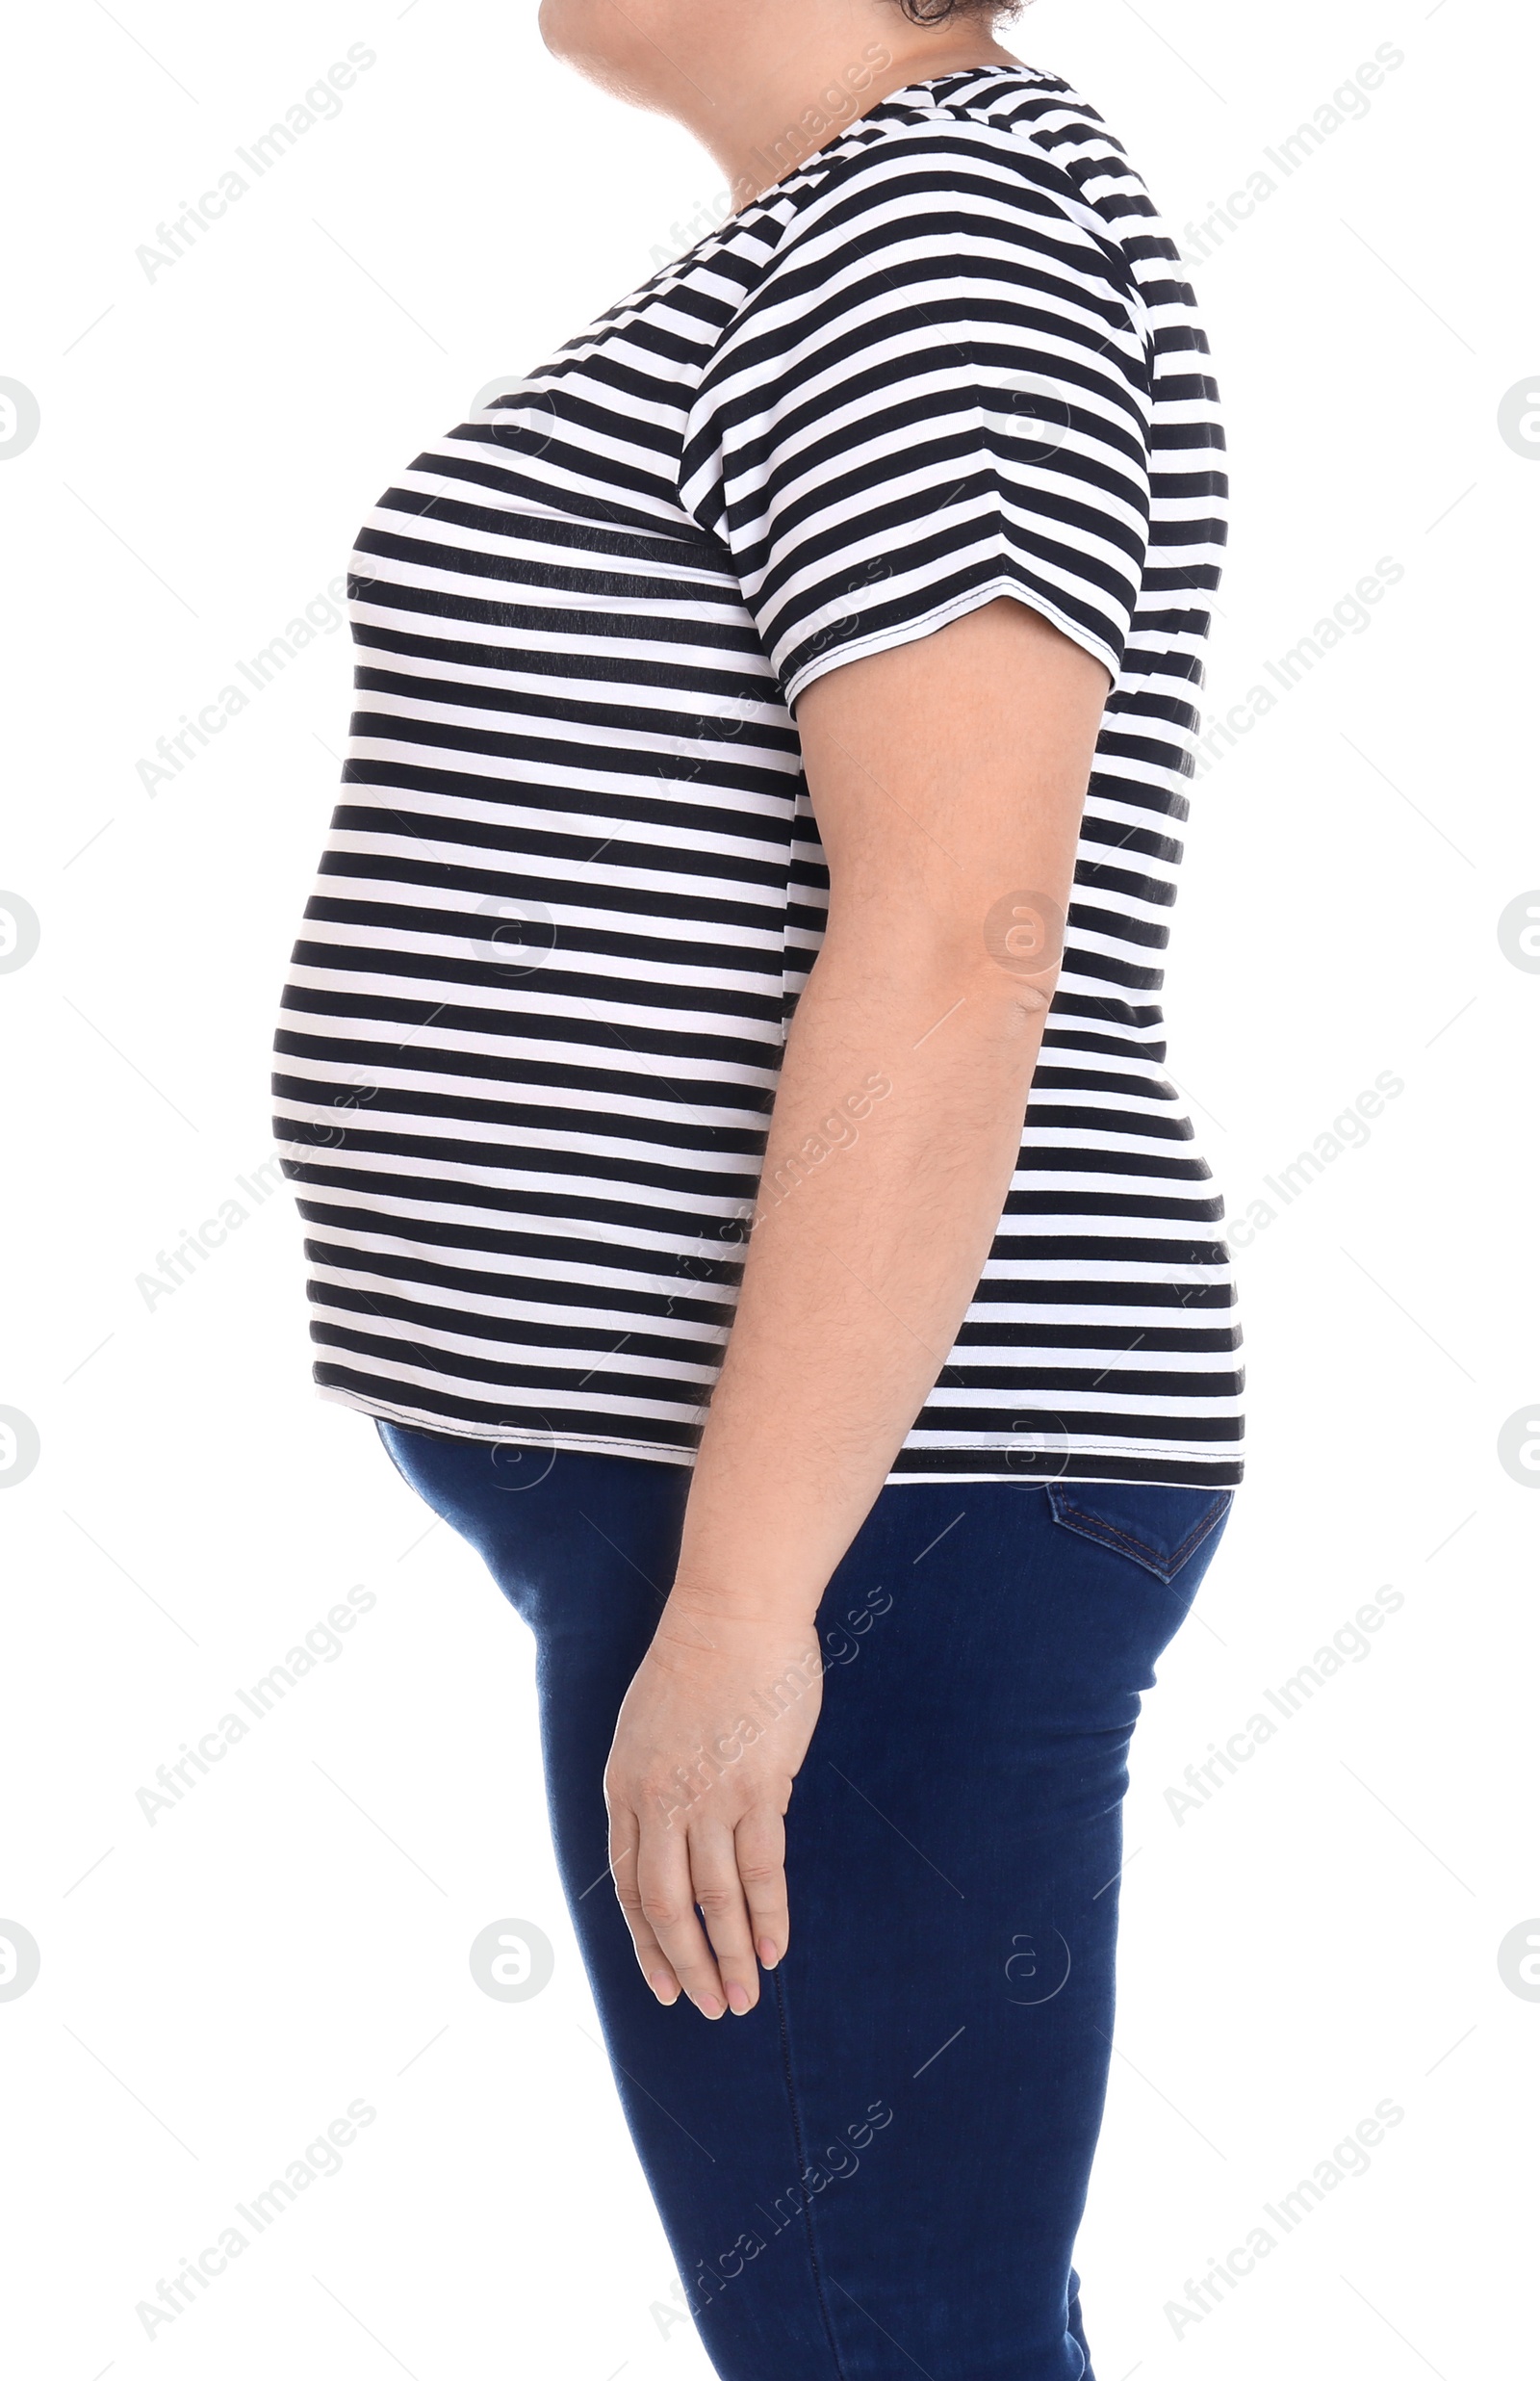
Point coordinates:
[[924, 85]]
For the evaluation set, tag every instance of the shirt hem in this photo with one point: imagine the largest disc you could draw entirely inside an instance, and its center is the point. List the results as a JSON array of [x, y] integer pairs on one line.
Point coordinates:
[[497, 1433], [940, 616], [1116, 1466]]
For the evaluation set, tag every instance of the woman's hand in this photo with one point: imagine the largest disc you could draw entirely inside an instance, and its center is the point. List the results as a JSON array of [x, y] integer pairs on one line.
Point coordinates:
[[713, 1730]]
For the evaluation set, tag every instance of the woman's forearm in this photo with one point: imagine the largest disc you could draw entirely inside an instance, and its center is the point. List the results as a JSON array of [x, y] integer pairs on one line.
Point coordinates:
[[896, 1129], [946, 775]]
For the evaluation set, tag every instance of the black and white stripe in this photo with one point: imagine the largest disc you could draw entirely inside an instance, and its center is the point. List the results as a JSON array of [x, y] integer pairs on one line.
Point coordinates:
[[574, 885]]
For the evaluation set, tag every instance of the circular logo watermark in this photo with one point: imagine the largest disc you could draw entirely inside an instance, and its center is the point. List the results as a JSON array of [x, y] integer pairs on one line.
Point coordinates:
[[20, 419], [512, 1960], [1518, 932], [1037, 1968], [520, 935], [523, 1464], [1519, 1959], [1519, 1446], [1039, 1449], [1024, 932], [19, 1446], [521, 416], [506, 384], [19, 1960], [1519, 418], [19, 932], [1040, 414]]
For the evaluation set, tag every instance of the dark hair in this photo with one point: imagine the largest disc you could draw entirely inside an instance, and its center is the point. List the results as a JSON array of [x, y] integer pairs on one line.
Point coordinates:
[[938, 12]]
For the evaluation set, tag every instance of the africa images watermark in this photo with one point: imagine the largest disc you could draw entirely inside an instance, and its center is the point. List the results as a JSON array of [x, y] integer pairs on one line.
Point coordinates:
[[1349, 616], [1349, 103], [322, 616], [837, 2163], [1351, 1644], [835, 1131], [321, 2159], [321, 103], [322, 1643], [826, 112], [771, 1701], [834, 104], [843, 1641], [1349, 2158], [178, 1265], [1350, 1129]]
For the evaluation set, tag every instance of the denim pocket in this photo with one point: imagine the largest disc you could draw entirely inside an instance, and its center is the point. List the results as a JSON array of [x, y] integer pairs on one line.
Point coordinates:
[[1159, 1527]]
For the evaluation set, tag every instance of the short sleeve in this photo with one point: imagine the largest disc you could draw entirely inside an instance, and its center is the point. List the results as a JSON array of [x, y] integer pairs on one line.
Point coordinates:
[[938, 393]]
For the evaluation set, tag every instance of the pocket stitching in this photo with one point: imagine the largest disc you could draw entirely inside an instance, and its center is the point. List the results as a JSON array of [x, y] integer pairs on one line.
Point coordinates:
[[1165, 1568]]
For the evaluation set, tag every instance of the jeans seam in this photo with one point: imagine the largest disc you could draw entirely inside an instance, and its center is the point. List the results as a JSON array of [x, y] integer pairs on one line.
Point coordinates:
[[1085, 2360], [802, 2163]]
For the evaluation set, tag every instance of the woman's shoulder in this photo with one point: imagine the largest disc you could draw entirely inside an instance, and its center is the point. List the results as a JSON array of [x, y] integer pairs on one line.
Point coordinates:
[[996, 143], [998, 152]]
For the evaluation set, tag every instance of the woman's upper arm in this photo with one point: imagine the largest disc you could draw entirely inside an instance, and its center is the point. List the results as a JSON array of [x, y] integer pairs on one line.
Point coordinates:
[[947, 777]]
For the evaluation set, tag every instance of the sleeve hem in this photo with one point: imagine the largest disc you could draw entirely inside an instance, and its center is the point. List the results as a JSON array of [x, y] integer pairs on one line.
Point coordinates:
[[956, 607]]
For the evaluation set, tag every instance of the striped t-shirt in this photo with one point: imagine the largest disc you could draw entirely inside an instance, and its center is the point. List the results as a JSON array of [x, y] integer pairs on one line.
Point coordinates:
[[574, 885]]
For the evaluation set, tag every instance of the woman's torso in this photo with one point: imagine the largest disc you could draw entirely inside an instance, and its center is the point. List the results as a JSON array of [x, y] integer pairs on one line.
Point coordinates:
[[574, 887]]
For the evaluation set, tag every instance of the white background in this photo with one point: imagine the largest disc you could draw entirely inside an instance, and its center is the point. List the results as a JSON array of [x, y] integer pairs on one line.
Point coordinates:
[[1322, 1932]]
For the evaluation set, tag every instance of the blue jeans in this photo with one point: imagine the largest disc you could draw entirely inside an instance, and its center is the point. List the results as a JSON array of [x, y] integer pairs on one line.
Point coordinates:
[[879, 2170]]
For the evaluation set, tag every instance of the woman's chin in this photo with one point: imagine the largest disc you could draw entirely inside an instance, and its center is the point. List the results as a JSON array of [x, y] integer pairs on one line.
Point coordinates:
[[591, 36], [563, 25]]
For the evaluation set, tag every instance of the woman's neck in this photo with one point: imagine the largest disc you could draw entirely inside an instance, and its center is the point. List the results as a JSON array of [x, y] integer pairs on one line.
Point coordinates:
[[762, 132], [761, 86]]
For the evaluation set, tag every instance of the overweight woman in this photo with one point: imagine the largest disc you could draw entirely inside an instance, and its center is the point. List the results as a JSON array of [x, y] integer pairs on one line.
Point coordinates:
[[722, 1077]]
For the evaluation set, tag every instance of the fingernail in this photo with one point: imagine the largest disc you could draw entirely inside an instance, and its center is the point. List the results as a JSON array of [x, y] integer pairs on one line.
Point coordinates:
[[768, 1953], [708, 2004], [667, 1991], [737, 2001]]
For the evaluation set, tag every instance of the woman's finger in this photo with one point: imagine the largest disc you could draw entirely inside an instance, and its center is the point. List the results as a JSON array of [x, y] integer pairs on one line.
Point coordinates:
[[719, 1897], [668, 1907], [761, 1845], [625, 1837]]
